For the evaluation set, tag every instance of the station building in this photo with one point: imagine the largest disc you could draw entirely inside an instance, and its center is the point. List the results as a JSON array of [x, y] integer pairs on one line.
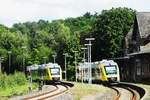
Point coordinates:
[[135, 65]]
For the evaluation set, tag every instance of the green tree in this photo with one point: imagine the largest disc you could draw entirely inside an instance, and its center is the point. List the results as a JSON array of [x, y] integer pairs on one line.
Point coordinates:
[[109, 30], [11, 41]]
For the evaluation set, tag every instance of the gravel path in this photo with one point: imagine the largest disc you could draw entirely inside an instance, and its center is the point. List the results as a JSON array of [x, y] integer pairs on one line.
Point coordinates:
[[45, 88]]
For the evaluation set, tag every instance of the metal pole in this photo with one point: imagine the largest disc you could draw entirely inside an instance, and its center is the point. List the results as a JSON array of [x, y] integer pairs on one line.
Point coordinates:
[[23, 62], [66, 55], [75, 64], [88, 65], [54, 59], [54, 56], [9, 63], [44, 60], [0, 64], [84, 64], [65, 69], [9, 54], [82, 74], [89, 58], [83, 69], [1, 59], [90, 79], [30, 81]]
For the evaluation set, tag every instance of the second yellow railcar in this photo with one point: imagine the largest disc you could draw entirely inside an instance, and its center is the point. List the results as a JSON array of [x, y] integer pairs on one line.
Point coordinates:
[[105, 70]]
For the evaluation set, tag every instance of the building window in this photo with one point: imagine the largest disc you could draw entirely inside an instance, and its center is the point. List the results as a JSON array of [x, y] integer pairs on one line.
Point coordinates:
[[138, 71], [138, 66], [149, 67]]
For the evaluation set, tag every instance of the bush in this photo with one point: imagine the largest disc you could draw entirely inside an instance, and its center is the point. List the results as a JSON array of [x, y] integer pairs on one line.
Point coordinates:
[[20, 78], [2, 80], [11, 80]]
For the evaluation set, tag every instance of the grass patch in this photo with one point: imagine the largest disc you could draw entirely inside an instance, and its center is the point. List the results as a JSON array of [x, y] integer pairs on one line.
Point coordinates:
[[79, 90]]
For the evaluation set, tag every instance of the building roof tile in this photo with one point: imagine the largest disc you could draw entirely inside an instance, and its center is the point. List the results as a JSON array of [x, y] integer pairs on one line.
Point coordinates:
[[143, 20]]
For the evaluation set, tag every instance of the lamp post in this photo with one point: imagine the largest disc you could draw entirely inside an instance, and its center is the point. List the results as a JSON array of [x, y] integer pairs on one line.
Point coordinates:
[[84, 59], [84, 53], [44, 60], [1, 59], [54, 56], [9, 54], [65, 54], [23, 60], [75, 53], [89, 58]]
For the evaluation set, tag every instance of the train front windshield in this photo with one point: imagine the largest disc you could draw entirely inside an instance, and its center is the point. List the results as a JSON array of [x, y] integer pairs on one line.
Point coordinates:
[[111, 70], [55, 71]]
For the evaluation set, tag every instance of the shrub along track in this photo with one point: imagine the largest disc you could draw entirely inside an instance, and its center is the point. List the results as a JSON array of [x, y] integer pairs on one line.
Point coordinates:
[[60, 88]]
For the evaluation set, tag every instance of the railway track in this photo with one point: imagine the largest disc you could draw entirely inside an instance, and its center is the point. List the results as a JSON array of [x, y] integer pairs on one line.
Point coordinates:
[[60, 88], [125, 92]]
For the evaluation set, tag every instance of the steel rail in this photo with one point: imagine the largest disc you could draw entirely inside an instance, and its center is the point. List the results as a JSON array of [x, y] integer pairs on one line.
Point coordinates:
[[133, 93], [133, 97], [35, 96], [118, 94], [55, 94], [52, 93], [124, 86]]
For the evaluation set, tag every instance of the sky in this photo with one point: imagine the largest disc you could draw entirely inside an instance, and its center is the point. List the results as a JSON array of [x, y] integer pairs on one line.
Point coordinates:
[[15, 11]]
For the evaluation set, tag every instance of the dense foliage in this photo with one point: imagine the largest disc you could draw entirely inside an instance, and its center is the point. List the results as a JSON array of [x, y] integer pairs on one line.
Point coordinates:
[[36, 42], [14, 84], [110, 29], [12, 80]]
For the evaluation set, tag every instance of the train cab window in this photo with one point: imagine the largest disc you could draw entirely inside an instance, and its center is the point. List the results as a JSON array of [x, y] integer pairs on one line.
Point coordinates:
[[55, 71], [110, 70]]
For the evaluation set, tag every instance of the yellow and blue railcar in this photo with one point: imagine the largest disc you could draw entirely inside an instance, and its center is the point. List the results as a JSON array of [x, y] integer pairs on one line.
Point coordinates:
[[45, 72], [109, 70], [105, 70]]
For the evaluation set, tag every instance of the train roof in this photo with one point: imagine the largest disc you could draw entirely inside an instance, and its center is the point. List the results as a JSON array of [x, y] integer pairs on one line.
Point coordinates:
[[108, 62], [32, 67], [43, 66], [86, 65], [93, 64]]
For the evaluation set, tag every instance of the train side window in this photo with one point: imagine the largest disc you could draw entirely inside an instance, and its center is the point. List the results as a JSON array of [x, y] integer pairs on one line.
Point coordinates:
[[34, 74], [93, 72], [98, 70], [44, 72]]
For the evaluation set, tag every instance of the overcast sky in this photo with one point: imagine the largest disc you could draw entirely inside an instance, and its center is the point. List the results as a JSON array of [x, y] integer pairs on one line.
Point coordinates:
[[14, 11]]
